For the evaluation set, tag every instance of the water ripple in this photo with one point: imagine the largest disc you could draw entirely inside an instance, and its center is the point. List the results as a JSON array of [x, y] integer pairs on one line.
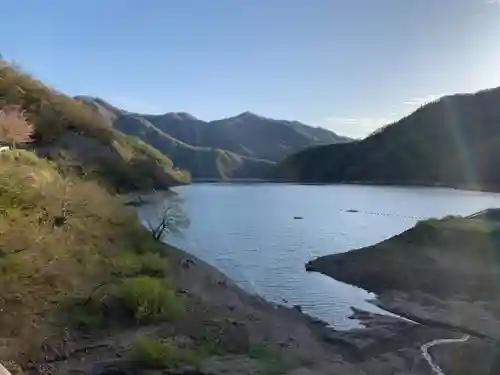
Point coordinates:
[[250, 234]]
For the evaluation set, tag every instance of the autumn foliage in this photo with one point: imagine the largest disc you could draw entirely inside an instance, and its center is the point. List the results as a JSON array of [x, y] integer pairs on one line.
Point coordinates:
[[14, 127]]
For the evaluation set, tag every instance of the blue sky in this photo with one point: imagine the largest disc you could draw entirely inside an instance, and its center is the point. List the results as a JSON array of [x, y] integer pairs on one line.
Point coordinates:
[[347, 65]]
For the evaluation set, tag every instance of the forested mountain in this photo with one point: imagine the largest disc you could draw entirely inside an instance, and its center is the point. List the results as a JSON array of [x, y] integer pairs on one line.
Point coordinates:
[[81, 142], [454, 141], [244, 146]]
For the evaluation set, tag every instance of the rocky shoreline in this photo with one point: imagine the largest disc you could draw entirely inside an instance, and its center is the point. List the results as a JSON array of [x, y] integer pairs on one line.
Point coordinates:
[[442, 274], [386, 344]]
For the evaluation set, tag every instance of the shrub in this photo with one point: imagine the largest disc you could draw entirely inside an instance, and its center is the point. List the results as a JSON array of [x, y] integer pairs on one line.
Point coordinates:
[[85, 315], [141, 242], [128, 263], [153, 265], [262, 352], [153, 353], [148, 298]]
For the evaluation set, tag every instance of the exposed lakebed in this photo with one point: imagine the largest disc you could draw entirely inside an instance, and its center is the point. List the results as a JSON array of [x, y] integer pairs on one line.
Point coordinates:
[[251, 233]]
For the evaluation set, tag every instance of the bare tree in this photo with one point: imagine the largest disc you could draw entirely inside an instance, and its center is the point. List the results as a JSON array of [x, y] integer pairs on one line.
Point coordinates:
[[167, 217], [15, 127]]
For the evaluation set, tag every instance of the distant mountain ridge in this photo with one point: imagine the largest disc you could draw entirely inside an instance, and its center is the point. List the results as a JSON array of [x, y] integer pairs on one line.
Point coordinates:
[[454, 141], [243, 146]]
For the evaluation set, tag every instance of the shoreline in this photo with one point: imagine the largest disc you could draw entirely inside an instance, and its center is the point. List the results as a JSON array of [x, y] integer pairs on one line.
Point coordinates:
[[428, 322], [343, 352], [440, 274], [355, 183], [303, 344], [408, 307]]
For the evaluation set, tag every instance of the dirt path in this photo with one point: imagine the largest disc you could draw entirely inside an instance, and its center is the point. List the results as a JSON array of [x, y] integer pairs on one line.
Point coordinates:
[[425, 351]]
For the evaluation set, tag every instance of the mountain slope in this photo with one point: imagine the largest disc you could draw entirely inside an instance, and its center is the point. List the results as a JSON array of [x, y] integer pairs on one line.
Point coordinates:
[[452, 142], [80, 141], [202, 162], [245, 146], [246, 134]]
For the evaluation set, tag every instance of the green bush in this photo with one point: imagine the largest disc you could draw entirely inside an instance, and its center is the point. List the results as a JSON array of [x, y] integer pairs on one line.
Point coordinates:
[[86, 316], [153, 265], [152, 353], [128, 263], [148, 298], [262, 352]]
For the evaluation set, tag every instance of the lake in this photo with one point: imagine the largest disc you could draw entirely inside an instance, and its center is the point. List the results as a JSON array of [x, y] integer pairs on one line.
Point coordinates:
[[252, 233]]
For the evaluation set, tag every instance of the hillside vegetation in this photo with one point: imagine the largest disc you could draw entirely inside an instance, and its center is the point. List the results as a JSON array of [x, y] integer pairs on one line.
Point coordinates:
[[85, 286], [60, 238], [244, 146], [80, 141], [452, 142]]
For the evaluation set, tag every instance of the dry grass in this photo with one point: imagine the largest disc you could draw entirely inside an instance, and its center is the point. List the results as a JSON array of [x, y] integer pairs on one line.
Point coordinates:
[[52, 113], [15, 127], [61, 237]]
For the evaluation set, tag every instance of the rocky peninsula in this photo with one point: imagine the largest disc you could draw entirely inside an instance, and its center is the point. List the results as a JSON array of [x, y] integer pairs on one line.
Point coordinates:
[[443, 274]]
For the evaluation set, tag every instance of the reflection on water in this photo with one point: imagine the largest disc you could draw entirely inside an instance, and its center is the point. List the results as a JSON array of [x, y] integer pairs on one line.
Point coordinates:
[[251, 234]]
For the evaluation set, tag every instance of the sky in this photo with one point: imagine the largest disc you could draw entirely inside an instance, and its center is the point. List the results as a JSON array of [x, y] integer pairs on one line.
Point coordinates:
[[347, 65]]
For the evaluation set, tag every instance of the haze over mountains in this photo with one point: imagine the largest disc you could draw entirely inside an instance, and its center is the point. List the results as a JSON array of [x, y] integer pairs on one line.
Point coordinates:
[[243, 146], [454, 141]]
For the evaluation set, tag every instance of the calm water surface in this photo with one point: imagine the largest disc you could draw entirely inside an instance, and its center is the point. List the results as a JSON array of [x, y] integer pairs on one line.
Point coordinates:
[[249, 232]]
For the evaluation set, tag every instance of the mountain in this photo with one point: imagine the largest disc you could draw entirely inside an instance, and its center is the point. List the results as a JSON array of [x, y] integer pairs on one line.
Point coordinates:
[[454, 141], [80, 141], [244, 146], [246, 134]]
